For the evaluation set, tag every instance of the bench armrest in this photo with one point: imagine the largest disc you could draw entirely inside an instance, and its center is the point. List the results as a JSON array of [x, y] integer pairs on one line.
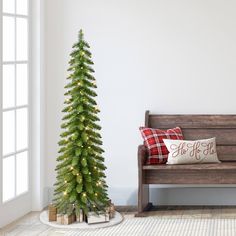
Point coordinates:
[[142, 155]]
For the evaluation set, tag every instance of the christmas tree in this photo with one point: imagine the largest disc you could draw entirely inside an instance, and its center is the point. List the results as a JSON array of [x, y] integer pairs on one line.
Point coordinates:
[[80, 183]]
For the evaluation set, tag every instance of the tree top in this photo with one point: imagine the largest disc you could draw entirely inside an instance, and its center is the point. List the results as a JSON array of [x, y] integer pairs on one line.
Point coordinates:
[[81, 34]]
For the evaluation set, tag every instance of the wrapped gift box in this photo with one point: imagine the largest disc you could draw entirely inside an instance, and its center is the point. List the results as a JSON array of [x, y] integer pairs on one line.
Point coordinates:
[[94, 218], [60, 219], [80, 216], [112, 210], [65, 219], [52, 213], [69, 219]]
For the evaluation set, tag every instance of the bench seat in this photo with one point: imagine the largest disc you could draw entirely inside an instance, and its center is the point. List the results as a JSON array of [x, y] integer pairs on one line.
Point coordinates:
[[220, 173]]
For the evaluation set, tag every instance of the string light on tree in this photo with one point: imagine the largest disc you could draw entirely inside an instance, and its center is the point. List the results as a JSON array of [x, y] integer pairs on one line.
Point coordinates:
[[79, 182]]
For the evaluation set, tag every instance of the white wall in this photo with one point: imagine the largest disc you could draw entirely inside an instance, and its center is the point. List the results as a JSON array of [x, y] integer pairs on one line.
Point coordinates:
[[168, 56]]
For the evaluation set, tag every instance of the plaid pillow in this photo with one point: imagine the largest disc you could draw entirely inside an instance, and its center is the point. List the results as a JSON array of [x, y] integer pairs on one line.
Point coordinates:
[[153, 140]]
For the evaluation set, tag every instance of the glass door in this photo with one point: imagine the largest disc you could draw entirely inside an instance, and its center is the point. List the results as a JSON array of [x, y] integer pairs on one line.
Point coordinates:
[[14, 146]]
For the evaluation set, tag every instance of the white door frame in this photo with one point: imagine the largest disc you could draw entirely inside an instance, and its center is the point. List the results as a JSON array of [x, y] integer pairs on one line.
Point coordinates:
[[39, 196], [20, 204], [33, 200]]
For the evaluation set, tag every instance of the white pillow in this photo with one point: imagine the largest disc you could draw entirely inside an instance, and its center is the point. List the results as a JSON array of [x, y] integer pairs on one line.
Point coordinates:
[[191, 152]]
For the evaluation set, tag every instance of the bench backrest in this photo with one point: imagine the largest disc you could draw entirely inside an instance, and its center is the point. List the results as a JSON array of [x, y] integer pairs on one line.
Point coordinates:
[[223, 127]]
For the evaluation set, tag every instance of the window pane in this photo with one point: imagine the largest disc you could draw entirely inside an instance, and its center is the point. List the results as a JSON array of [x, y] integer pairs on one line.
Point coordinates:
[[8, 86], [8, 6], [21, 84], [21, 173], [8, 38], [8, 174], [21, 128], [8, 125], [21, 39], [22, 7]]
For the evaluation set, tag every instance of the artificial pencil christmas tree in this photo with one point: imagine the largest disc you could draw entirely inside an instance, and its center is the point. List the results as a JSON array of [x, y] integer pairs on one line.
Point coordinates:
[[80, 183]]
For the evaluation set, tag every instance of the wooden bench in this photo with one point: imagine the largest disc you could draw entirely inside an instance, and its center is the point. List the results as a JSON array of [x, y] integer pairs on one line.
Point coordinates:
[[223, 127]]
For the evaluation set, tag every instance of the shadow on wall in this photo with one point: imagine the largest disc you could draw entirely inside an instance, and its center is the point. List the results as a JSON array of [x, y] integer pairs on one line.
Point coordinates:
[[118, 195], [207, 195], [168, 196], [123, 196], [178, 196]]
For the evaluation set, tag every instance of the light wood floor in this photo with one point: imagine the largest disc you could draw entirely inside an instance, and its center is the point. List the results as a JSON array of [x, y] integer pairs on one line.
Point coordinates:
[[30, 225]]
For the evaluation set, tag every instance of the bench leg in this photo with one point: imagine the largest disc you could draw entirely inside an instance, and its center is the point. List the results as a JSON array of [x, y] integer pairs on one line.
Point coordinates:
[[143, 200], [143, 189]]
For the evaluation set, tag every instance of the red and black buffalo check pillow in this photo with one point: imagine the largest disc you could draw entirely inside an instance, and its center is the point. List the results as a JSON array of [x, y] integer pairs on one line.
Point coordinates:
[[153, 140]]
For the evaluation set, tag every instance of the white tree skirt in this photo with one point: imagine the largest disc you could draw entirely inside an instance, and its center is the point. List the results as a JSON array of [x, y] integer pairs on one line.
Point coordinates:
[[83, 225]]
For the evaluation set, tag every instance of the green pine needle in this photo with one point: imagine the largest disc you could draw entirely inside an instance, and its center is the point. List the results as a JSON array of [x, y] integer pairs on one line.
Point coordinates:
[[80, 183]]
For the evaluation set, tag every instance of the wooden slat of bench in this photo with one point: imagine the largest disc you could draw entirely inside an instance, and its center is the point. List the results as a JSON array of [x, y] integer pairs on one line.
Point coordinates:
[[223, 136], [191, 121], [219, 176], [226, 153], [199, 167]]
